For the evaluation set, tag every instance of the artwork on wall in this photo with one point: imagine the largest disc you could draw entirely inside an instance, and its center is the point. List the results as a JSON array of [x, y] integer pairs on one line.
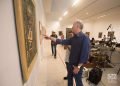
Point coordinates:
[[100, 35], [40, 32], [26, 34], [87, 33], [67, 32]]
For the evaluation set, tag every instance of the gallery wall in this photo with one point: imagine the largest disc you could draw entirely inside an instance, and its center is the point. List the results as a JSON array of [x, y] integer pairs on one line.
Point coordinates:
[[101, 25], [10, 72]]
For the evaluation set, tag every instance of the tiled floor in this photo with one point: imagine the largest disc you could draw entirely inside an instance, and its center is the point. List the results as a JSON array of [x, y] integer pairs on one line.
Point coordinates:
[[53, 70]]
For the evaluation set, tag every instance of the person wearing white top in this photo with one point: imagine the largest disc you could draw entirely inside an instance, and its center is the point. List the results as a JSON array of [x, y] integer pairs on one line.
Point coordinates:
[[68, 48], [67, 58]]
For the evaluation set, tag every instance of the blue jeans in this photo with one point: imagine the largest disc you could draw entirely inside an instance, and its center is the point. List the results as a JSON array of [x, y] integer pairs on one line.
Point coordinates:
[[53, 48], [78, 77]]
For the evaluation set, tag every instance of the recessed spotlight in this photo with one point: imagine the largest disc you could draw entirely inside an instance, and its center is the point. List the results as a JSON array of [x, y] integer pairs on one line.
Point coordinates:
[[75, 3], [87, 13], [98, 17], [66, 12], [60, 18], [102, 16]]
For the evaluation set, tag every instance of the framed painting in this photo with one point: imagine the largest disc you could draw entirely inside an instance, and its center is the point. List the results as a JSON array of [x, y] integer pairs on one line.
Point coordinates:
[[43, 30], [67, 32], [26, 34], [100, 35], [40, 32], [87, 33]]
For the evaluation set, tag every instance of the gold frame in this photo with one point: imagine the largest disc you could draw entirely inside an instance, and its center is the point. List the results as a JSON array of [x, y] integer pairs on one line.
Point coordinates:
[[26, 70]]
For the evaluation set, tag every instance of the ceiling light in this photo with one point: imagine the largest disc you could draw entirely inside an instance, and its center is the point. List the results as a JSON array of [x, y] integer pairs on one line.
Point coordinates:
[[102, 16], [98, 17], [75, 3], [66, 12], [60, 18], [87, 13]]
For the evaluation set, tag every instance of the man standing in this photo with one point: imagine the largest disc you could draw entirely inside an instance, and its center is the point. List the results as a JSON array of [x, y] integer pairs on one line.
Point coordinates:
[[79, 53], [53, 44]]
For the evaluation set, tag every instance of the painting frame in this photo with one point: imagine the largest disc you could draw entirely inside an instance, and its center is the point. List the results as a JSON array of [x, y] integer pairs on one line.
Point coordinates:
[[100, 35], [27, 44]]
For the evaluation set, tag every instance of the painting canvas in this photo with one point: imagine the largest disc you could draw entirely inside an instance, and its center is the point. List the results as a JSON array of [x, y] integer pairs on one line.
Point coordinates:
[[43, 30], [100, 35], [26, 33], [40, 32], [67, 32]]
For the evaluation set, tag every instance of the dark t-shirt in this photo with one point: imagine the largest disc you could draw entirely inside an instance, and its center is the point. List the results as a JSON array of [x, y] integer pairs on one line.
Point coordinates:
[[55, 36]]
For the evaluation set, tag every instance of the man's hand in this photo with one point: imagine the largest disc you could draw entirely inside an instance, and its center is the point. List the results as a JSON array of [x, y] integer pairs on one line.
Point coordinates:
[[76, 69], [51, 38], [46, 37]]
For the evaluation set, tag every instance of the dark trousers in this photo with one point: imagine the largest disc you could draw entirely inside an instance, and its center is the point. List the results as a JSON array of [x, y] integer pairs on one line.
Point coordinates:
[[67, 67], [78, 77], [53, 48]]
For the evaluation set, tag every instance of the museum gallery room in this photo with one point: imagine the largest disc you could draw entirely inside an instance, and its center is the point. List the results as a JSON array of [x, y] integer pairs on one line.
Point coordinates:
[[60, 43]]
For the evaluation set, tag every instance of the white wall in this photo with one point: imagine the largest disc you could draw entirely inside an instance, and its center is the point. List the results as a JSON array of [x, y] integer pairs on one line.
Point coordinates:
[[102, 24], [10, 73], [88, 27]]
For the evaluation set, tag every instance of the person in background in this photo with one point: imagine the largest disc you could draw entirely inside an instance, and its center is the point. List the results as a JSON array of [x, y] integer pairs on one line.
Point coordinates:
[[67, 48], [53, 44], [79, 53], [104, 38], [92, 41], [62, 36]]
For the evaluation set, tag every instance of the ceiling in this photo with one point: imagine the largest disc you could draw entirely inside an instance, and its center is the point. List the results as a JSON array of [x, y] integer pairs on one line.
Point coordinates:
[[85, 9]]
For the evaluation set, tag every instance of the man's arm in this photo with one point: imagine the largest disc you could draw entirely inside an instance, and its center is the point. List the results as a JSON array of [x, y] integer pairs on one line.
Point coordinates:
[[59, 41], [63, 42]]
